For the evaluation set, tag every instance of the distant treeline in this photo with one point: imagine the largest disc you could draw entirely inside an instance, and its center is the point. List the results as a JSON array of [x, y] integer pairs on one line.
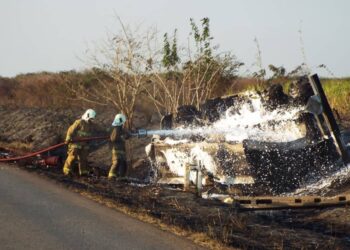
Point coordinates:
[[46, 89]]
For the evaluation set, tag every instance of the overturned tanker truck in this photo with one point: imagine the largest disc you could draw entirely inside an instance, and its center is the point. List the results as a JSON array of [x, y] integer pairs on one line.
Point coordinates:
[[256, 143]]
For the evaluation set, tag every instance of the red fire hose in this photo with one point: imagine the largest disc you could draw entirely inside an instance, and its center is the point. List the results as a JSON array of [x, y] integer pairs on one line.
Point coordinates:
[[52, 148]]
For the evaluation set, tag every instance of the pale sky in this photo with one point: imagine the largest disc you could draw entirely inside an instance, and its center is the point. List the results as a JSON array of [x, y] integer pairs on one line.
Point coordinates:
[[53, 35]]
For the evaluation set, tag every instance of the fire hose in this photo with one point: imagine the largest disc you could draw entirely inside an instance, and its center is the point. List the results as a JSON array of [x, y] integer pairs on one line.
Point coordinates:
[[33, 154], [139, 133]]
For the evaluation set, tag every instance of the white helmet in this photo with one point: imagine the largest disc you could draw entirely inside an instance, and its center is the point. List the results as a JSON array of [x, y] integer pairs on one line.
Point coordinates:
[[89, 114], [119, 120]]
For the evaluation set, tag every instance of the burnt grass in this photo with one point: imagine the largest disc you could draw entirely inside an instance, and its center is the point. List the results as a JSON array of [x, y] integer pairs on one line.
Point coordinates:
[[284, 229]]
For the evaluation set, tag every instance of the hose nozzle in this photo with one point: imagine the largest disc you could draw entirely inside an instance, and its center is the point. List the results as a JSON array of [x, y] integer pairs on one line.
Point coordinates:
[[141, 133]]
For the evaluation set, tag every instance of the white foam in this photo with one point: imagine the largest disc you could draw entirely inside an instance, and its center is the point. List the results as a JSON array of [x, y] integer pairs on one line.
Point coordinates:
[[171, 141], [252, 121], [203, 159], [177, 160]]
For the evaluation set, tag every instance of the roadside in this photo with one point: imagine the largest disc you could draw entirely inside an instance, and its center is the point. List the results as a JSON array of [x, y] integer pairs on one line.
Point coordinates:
[[36, 214], [208, 223]]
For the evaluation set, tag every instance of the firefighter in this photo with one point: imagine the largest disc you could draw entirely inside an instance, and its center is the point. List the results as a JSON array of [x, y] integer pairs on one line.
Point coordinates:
[[78, 151], [117, 141]]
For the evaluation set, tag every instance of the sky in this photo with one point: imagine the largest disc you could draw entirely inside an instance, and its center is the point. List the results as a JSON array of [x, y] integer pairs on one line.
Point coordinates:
[[53, 35]]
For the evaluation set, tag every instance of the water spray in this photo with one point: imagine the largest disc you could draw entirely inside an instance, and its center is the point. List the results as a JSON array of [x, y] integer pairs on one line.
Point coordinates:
[[180, 132], [251, 122]]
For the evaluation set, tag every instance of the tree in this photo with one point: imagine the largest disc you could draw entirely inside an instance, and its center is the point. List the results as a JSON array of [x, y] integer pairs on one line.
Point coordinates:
[[119, 69], [195, 80]]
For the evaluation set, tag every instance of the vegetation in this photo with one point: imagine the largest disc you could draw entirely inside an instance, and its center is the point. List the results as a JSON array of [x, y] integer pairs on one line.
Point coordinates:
[[120, 69], [338, 93], [48, 90], [132, 70], [192, 77]]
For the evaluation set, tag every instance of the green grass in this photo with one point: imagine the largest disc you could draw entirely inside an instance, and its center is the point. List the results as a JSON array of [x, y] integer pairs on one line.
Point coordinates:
[[336, 90], [338, 94]]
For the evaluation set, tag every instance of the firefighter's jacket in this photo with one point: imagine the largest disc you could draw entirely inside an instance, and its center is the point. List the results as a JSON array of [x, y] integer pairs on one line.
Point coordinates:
[[80, 129], [118, 137]]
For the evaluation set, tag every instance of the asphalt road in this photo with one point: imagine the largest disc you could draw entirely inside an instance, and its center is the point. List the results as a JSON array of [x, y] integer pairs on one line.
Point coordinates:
[[38, 214]]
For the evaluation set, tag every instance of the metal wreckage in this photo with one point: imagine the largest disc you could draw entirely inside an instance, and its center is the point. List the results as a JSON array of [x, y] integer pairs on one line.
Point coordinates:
[[253, 172]]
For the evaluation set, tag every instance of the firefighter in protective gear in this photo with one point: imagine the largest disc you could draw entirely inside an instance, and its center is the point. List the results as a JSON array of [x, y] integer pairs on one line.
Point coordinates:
[[78, 151], [118, 137]]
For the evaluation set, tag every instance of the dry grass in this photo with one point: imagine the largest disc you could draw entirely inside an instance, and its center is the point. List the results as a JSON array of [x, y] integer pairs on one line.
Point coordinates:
[[48, 90], [16, 146]]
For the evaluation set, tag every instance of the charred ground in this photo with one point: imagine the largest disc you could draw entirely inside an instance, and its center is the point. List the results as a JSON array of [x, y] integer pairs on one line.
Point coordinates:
[[324, 229]]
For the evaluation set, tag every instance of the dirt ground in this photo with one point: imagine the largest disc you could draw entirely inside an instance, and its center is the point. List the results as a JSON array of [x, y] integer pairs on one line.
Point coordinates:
[[196, 218]]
